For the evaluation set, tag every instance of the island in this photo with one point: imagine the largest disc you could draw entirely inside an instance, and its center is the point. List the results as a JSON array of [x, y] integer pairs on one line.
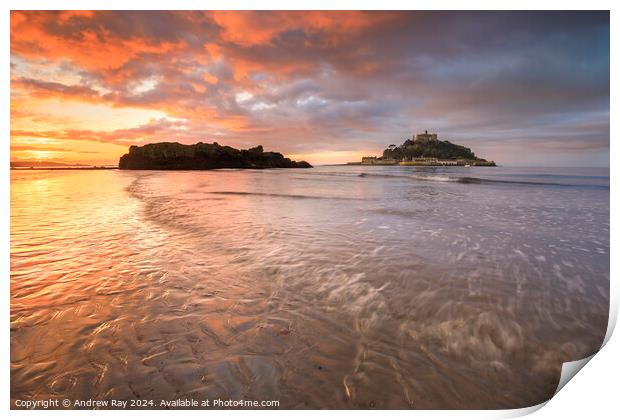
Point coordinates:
[[171, 156], [425, 149]]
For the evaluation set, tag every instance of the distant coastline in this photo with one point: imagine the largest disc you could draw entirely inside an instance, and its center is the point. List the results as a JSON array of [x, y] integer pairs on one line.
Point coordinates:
[[61, 168]]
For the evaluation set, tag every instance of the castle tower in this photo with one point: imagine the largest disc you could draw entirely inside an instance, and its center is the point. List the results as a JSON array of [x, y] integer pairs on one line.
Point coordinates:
[[425, 136]]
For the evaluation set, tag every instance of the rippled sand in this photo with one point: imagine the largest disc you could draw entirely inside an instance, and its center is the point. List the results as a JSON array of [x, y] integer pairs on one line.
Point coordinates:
[[318, 288]]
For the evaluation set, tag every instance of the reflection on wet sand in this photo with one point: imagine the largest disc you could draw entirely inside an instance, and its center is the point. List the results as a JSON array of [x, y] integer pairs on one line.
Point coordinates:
[[320, 289]]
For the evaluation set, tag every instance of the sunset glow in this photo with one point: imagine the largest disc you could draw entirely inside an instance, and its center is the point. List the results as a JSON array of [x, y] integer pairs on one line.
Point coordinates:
[[304, 210], [328, 87]]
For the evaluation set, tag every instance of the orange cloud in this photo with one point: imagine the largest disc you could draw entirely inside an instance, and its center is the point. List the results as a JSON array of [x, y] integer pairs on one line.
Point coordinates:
[[248, 28], [294, 80], [80, 38], [36, 148]]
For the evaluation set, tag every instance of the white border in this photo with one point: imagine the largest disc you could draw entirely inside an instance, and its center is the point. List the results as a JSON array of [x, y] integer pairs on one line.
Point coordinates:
[[592, 395]]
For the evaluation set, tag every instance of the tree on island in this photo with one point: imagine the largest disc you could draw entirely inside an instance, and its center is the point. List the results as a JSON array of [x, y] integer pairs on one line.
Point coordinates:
[[429, 149]]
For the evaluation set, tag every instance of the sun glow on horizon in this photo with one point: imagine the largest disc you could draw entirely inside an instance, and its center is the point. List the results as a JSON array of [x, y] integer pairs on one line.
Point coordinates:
[[332, 157]]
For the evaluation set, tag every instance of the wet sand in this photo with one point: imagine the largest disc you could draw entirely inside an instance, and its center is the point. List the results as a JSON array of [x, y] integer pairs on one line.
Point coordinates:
[[317, 288]]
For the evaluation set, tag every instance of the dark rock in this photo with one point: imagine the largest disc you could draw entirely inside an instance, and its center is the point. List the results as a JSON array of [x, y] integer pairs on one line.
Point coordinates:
[[171, 156]]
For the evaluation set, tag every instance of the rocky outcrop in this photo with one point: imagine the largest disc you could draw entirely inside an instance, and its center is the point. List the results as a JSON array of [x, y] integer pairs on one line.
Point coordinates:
[[203, 156]]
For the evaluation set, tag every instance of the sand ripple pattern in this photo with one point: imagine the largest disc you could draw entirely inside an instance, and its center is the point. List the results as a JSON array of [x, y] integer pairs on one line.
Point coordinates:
[[318, 288]]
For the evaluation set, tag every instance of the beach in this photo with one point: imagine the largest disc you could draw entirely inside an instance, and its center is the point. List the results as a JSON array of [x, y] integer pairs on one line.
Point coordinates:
[[331, 287]]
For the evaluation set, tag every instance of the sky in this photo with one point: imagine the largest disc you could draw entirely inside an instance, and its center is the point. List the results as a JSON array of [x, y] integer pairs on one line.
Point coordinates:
[[520, 88]]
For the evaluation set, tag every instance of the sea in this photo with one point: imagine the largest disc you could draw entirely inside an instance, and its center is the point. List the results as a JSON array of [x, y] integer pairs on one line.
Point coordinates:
[[332, 287]]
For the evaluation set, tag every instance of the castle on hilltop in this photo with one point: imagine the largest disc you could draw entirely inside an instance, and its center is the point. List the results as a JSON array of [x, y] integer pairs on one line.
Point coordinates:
[[425, 149], [423, 137]]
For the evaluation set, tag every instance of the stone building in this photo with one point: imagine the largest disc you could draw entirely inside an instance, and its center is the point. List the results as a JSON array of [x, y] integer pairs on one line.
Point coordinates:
[[372, 160], [425, 136]]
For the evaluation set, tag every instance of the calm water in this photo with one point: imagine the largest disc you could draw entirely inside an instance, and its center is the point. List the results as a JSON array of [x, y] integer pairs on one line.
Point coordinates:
[[333, 287]]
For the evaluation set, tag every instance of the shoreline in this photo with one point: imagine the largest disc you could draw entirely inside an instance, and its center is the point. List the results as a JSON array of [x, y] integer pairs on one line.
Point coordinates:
[[62, 168]]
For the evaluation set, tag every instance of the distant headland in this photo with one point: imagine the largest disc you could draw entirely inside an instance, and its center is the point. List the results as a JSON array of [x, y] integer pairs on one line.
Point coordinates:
[[170, 156], [425, 149]]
